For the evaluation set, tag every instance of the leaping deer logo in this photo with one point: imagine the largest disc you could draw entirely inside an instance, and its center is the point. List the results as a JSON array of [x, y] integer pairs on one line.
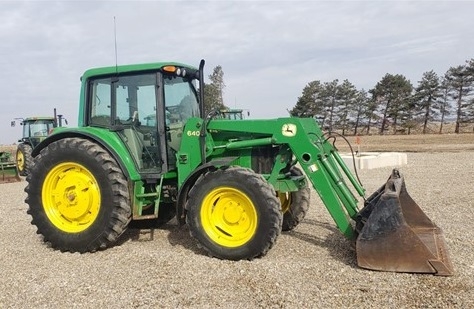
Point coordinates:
[[288, 130]]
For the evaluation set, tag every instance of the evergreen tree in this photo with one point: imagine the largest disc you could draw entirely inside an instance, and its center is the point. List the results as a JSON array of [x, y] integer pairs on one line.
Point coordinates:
[[392, 95], [426, 97], [470, 67], [361, 107], [347, 96], [217, 79], [330, 99], [214, 91], [470, 108], [460, 81], [444, 106], [408, 115], [371, 113], [309, 104]]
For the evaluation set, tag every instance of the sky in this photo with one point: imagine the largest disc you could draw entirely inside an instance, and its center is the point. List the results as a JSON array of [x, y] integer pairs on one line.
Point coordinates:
[[268, 50]]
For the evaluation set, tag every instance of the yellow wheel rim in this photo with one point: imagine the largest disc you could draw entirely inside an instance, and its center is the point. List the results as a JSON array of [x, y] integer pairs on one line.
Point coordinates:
[[71, 197], [20, 161], [285, 201], [229, 217]]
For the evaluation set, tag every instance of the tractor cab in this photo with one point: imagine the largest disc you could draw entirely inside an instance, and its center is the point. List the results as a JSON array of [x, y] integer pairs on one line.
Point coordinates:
[[36, 129], [148, 110]]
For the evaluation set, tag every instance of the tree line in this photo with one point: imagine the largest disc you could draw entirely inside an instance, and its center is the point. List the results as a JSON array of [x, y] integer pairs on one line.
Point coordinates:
[[394, 105]]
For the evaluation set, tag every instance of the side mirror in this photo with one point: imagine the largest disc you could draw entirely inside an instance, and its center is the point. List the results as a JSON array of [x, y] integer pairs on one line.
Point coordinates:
[[12, 123]]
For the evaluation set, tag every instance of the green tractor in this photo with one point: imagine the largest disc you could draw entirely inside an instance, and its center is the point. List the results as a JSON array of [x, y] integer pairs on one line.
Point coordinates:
[[145, 150], [233, 114], [35, 130]]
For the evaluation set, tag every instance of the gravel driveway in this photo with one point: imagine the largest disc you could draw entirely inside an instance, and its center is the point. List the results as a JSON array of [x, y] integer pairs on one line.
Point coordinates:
[[311, 267]]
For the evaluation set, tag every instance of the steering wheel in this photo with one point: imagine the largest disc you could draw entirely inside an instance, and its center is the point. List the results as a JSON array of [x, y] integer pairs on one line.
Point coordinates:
[[134, 121]]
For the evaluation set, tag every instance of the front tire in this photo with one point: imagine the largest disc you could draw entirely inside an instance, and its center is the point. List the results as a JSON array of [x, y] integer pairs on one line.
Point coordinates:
[[234, 214], [24, 160], [294, 205], [78, 196]]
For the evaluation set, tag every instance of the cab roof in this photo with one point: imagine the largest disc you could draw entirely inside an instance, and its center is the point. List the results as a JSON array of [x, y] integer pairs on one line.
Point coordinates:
[[131, 68], [38, 118]]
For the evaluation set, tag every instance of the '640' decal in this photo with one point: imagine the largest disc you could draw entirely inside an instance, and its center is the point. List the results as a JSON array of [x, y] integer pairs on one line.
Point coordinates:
[[193, 133]]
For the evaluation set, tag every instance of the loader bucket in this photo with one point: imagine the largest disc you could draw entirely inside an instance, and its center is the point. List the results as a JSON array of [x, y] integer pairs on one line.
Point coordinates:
[[8, 170], [396, 235]]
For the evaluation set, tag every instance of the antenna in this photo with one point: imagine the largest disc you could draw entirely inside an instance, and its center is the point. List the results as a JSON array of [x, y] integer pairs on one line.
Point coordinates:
[[115, 37]]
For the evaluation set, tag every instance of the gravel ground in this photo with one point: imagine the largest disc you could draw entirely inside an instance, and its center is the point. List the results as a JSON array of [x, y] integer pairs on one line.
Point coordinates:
[[312, 266]]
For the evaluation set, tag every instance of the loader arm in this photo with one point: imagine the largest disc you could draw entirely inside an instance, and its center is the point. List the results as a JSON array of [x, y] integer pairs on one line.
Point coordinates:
[[318, 158], [322, 165]]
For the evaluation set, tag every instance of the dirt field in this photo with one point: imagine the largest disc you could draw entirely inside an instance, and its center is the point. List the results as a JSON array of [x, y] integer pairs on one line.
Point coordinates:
[[313, 266], [411, 143]]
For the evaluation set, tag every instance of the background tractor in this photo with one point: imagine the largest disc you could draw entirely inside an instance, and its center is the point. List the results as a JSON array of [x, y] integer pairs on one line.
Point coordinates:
[[232, 113], [145, 150], [35, 130]]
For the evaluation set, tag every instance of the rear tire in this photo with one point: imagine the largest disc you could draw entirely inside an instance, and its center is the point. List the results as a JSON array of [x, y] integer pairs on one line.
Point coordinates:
[[78, 196], [234, 214], [24, 160], [294, 205]]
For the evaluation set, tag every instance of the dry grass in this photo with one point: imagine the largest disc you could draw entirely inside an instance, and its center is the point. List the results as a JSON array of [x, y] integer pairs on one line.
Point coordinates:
[[432, 141], [411, 143], [8, 148]]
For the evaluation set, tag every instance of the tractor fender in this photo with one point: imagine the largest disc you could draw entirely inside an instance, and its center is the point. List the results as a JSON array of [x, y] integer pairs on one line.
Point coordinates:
[[191, 180], [66, 134]]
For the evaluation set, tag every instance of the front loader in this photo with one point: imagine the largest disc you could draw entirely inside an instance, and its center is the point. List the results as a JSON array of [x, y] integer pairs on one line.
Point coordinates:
[[145, 150]]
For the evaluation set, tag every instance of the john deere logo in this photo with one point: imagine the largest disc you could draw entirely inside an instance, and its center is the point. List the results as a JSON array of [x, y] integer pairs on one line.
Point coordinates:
[[288, 130]]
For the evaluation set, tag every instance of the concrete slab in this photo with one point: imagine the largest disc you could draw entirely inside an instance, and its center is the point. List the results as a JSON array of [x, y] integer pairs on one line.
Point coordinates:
[[371, 160]]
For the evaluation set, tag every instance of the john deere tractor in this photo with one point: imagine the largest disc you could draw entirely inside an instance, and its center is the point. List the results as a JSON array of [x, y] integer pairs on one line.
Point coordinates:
[[35, 129], [233, 113], [145, 150]]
